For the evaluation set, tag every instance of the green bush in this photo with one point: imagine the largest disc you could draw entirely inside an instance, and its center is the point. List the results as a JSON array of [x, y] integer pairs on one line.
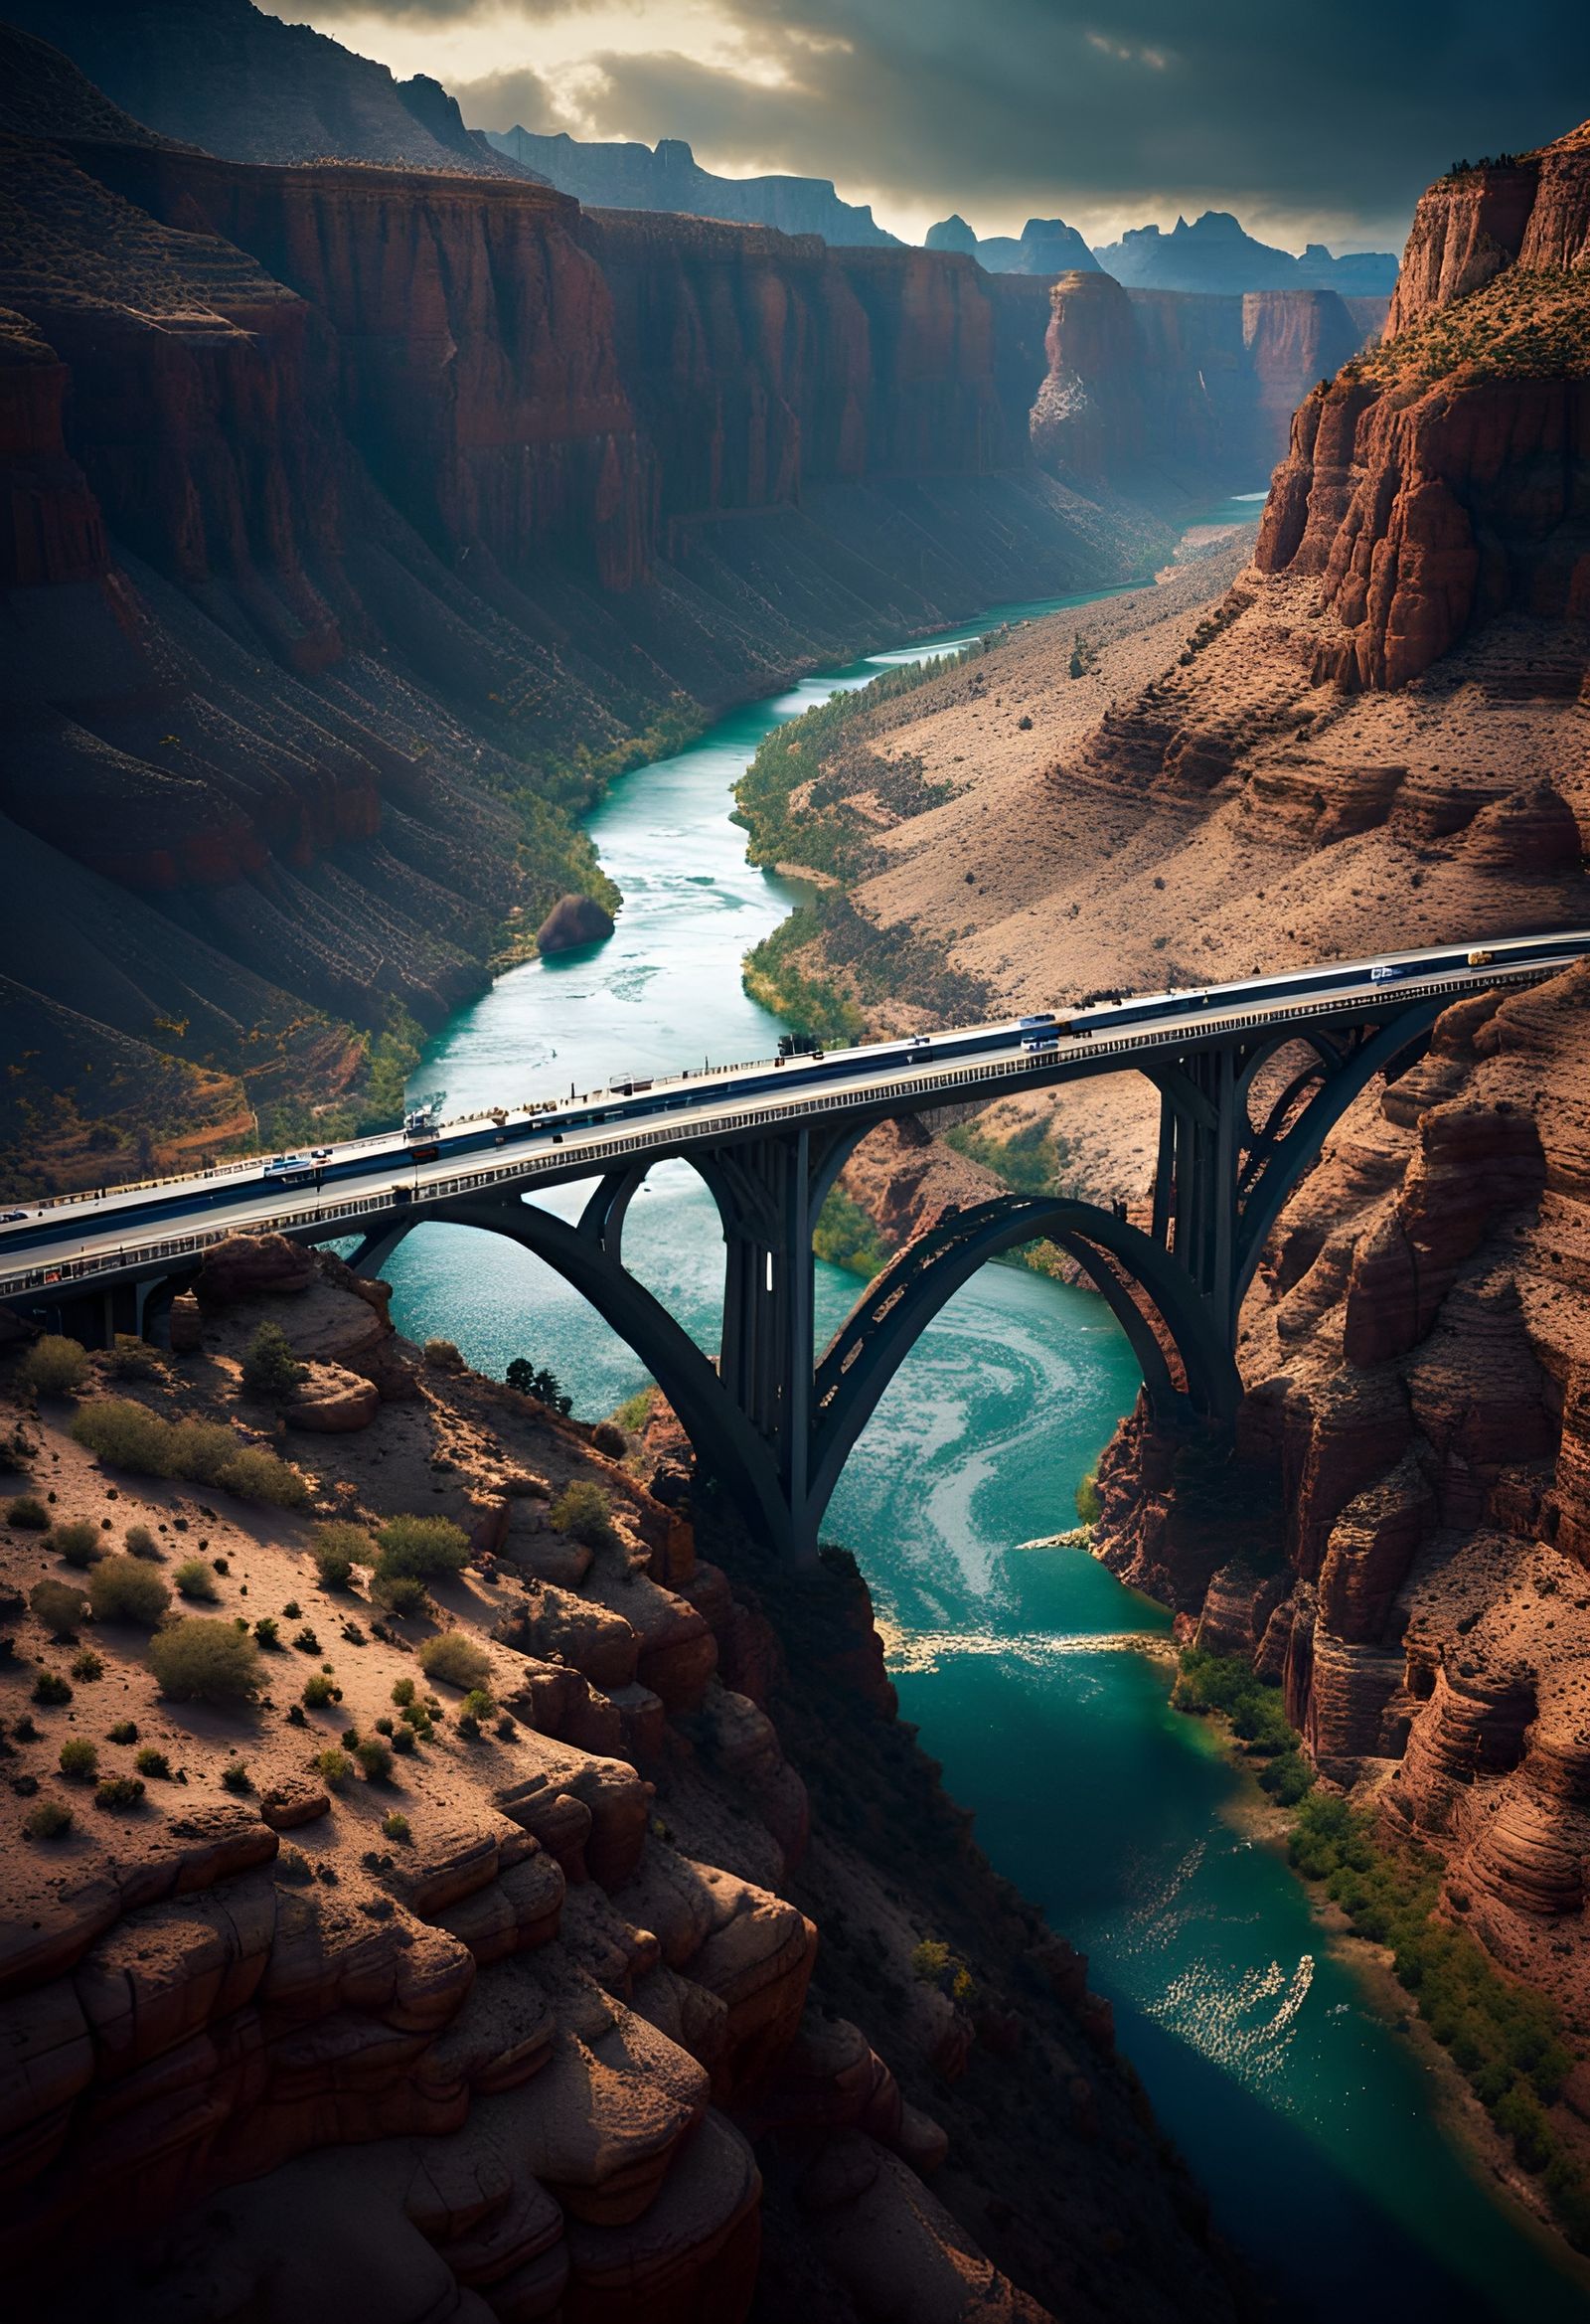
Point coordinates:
[[132, 1359], [422, 1547], [51, 1687], [78, 1544], [1288, 1778], [200, 1449], [267, 1634], [337, 1548], [127, 1436], [375, 1757], [334, 1768], [444, 1356], [27, 1513], [141, 1542], [254, 1474], [1089, 1507], [125, 1589], [455, 1658], [118, 1792], [234, 1776], [196, 1580], [478, 1703], [80, 1762], [319, 1691], [54, 1366], [48, 1819], [400, 1594], [402, 1690], [402, 1740], [58, 1606], [583, 1512], [88, 1666], [271, 1366], [126, 1731], [396, 1827], [206, 1660], [152, 1762]]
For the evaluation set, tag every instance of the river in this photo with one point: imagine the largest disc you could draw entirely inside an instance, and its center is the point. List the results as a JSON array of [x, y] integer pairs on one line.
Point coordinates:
[[1310, 2122]]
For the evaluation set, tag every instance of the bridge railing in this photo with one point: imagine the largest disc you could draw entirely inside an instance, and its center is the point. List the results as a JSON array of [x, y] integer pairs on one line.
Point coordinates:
[[670, 1137]]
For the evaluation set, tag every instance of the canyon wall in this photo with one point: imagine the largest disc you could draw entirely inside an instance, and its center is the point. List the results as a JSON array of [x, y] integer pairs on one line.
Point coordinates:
[[1445, 477], [1163, 385]]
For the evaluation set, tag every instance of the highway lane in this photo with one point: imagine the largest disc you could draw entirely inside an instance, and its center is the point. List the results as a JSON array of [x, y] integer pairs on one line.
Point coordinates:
[[367, 1180]]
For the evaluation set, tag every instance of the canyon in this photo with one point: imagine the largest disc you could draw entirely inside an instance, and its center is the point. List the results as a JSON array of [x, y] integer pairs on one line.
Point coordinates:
[[1375, 731]]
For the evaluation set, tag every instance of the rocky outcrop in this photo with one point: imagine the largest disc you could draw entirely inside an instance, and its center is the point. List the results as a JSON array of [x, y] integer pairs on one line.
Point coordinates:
[[1440, 482], [574, 921], [529, 2018], [1046, 246]]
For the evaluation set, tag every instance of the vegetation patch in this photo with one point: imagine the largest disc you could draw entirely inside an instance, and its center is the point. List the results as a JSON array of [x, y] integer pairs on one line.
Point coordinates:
[[846, 1237], [203, 1659]]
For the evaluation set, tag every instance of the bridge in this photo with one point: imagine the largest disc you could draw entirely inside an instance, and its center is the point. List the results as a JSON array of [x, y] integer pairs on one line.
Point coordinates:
[[1251, 1078]]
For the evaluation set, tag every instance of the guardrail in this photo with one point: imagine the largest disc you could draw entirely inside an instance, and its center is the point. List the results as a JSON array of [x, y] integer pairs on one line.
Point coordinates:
[[673, 1135]]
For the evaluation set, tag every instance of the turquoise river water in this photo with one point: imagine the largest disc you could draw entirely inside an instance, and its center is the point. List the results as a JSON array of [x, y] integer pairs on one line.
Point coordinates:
[[1309, 2120]]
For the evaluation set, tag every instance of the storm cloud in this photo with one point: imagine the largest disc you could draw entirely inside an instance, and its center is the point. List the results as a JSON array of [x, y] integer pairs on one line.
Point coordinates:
[[1328, 118]]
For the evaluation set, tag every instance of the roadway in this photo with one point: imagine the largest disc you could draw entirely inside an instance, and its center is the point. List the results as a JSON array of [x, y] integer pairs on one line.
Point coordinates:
[[132, 1230]]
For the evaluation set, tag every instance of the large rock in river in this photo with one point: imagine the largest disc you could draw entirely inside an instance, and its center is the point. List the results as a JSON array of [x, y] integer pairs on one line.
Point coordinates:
[[574, 921]]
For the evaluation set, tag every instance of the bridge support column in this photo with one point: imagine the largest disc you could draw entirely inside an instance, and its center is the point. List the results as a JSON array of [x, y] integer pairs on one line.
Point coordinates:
[[1196, 1192]]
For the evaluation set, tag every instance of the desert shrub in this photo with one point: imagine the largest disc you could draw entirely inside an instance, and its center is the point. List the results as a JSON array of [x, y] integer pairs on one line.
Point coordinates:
[[334, 1768], [606, 1437], [402, 1690], [422, 1547], [202, 1659], [444, 1356], [375, 1757], [307, 1640], [402, 1740], [125, 1589], [478, 1703], [234, 1776], [141, 1542], [125, 1434], [267, 1634], [80, 1761], [132, 1359], [119, 1791], [126, 1731], [200, 1449], [88, 1665], [1287, 1779], [1088, 1504], [456, 1659], [51, 1687], [583, 1510], [152, 1762], [27, 1513], [78, 1544], [195, 1579], [469, 1727], [400, 1594], [337, 1548], [269, 1365], [54, 1366], [48, 1819], [383, 1726], [254, 1474], [319, 1690], [58, 1606], [396, 1827], [292, 1611]]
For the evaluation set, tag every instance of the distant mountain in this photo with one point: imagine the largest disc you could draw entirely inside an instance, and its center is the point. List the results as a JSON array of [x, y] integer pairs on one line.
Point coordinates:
[[243, 84], [1215, 255], [637, 177], [1048, 245]]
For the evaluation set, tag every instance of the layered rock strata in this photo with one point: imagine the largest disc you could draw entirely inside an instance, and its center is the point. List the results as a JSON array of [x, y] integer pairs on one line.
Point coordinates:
[[535, 2019]]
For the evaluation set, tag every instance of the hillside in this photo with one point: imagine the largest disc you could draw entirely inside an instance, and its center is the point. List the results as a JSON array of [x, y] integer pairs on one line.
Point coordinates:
[[515, 1916]]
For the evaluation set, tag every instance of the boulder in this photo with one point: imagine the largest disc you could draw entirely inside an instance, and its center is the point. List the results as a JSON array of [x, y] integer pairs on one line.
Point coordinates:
[[574, 921], [332, 1401]]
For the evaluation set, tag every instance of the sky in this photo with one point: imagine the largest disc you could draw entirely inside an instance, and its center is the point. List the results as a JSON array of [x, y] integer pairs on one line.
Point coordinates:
[[1314, 122]]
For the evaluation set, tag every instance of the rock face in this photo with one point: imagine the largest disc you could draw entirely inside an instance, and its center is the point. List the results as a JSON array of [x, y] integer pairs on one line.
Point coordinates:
[[1440, 482], [1046, 246], [532, 2023], [574, 921], [1215, 255], [1197, 385], [668, 177]]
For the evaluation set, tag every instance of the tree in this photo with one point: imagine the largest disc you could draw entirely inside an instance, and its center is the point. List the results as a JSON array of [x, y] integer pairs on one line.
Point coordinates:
[[269, 1366], [525, 1379]]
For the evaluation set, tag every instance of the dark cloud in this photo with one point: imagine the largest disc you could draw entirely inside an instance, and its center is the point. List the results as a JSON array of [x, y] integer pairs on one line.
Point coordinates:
[[1345, 110]]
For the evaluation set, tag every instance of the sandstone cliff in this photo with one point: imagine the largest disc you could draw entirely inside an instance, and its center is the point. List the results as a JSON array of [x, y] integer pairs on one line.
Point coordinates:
[[1155, 384], [551, 2012]]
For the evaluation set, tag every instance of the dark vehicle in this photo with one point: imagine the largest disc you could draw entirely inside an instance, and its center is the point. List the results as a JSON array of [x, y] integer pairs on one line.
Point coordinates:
[[797, 1044], [427, 1151]]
